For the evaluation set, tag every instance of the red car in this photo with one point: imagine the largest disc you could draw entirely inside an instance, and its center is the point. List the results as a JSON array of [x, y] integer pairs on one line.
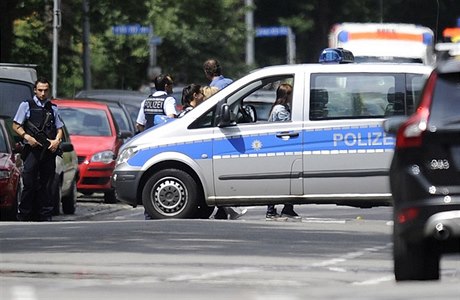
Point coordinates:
[[10, 172], [97, 140]]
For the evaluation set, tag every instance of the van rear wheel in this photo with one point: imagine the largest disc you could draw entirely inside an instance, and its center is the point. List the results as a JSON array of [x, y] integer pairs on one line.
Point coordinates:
[[170, 193]]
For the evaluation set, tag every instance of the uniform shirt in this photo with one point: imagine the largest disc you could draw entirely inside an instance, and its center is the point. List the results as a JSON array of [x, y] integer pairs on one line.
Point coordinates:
[[23, 112], [169, 107], [220, 82]]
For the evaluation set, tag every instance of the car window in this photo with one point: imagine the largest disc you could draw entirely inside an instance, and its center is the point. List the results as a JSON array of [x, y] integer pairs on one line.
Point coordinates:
[[120, 117], [351, 95], [85, 121], [249, 104], [12, 93], [445, 111]]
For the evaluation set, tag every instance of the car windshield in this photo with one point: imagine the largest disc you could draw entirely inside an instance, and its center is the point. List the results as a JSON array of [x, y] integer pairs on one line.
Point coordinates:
[[85, 121]]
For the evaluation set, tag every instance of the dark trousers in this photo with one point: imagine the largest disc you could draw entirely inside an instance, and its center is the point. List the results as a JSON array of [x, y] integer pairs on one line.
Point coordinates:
[[38, 175]]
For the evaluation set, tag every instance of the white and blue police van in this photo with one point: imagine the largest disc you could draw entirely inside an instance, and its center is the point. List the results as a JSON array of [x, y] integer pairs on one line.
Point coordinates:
[[332, 151]]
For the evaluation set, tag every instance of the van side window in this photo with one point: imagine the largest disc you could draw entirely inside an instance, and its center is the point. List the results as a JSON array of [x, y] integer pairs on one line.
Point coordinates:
[[414, 86], [356, 95], [258, 100]]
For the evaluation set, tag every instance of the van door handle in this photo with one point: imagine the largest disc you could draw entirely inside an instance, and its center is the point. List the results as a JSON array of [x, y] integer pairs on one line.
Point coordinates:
[[287, 134]]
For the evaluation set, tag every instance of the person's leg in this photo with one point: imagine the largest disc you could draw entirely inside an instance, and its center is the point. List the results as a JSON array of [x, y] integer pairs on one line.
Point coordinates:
[[47, 171], [26, 205], [235, 212], [271, 210], [288, 211], [146, 215], [272, 214], [221, 213]]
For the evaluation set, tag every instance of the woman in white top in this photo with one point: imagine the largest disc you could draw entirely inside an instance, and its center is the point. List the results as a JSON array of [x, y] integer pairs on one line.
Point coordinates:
[[281, 112]]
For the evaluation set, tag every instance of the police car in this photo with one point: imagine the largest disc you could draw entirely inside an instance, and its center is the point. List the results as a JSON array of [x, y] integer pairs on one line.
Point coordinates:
[[332, 151]]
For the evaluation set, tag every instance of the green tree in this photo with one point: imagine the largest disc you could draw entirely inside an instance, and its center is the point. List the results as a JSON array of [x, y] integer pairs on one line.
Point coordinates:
[[194, 31]]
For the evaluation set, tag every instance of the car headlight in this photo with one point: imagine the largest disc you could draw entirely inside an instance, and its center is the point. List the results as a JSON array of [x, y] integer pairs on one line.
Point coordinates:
[[4, 174], [105, 157], [126, 154]]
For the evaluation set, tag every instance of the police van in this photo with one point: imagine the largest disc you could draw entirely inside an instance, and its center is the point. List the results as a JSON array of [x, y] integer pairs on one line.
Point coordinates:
[[332, 151]]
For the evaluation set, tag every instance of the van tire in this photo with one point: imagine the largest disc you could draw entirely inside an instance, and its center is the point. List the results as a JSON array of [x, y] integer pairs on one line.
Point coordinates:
[[170, 193]]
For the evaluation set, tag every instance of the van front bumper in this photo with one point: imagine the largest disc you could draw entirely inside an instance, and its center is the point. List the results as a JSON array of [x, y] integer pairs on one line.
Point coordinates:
[[126, 184]]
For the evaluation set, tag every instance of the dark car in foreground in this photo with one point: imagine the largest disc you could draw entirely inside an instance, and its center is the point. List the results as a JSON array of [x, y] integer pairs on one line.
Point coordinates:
[[10, 172], [425, 178]]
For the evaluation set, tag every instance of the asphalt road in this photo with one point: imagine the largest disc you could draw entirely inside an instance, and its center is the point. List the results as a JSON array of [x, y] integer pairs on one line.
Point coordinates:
[[109, 251]]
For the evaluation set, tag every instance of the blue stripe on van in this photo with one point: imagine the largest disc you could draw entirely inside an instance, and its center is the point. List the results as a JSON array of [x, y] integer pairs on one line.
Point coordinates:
[[343, 140]]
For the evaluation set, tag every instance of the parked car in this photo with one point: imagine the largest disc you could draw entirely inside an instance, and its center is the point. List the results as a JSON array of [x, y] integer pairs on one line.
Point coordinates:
[[97, 140], [11, 166], [425, 177], [65, 181], [121, 113], [131, 100]]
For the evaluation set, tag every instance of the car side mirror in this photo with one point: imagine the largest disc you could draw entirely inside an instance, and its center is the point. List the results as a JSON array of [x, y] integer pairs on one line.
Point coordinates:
[[124, 134], [225, 117], [391, 125], [67, 147]]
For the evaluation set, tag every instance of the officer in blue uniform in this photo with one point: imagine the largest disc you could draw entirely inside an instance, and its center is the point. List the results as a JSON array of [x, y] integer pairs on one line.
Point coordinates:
[[37, 121], [159, 104]]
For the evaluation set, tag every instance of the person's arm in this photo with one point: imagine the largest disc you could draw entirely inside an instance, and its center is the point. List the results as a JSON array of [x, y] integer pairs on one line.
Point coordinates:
[[170, 107], [140, 121], [22, 133], [54, 144], [140, 127]]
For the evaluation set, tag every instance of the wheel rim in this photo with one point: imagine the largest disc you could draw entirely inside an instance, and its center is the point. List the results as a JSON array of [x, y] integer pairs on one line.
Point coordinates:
[[169, 196]]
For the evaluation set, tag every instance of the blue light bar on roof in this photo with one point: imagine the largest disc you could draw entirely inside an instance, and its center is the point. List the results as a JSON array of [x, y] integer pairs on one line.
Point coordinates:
[[336, 55]]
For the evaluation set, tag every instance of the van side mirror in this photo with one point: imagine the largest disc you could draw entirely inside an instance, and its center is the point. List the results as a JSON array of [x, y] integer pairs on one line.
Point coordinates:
[[123, 134], [225, 117]]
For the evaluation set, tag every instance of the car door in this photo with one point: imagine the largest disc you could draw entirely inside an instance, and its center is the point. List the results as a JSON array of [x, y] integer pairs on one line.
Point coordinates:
[[256, 162]]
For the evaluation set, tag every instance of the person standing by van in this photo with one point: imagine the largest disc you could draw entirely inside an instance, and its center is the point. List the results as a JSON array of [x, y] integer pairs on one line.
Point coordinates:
[[160, 103], [213, 71], [37, 121], [281, 112], [192, 96]]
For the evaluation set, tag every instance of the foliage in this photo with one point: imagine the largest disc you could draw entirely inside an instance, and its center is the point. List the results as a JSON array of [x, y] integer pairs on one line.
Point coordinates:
[[191, 32]]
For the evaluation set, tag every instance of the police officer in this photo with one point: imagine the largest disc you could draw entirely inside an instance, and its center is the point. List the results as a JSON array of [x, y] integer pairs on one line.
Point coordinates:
[[160, 103], [37, 121]]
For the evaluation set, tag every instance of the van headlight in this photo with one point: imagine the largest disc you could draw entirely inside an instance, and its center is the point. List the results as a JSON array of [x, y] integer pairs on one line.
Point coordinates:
[[105, 157], [126, 154]]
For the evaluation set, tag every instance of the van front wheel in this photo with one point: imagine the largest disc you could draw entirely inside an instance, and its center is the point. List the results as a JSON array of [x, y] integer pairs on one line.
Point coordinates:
[[170, 193]]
